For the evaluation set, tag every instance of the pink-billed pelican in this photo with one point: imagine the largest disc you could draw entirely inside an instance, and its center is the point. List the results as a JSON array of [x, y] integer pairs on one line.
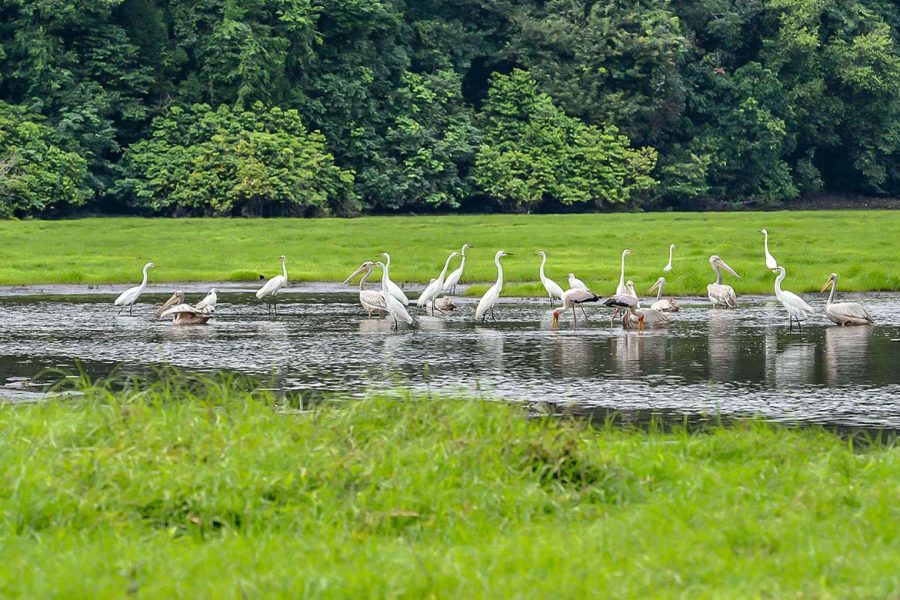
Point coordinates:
[[185, 314], [795, 305], [433, 289], [454, 277], [130, 296], [771, 263], [392, 287], [575, 283], [571, 299], [271, 288], [370, 300], [394, 307], [668, 267], [175, 299], [718, 292], [663, 304], [552, 288], [490, 297], [642, 317], [844, 313]]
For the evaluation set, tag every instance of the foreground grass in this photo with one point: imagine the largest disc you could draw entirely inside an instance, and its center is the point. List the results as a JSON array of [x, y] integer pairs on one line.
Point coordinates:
[[860, 245], [213, 492]]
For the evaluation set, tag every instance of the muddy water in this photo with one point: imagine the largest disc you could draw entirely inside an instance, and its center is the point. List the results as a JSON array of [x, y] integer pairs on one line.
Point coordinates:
[[740, 362]]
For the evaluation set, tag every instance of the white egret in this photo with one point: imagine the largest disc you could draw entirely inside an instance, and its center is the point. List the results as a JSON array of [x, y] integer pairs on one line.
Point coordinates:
[[844, 313], [553, 289], [771, 263], [271, 288], [130, 296], [718, 292], [394, 307], [392, 287], [370, 300], [795, 305], [185, 314], [571, 299], [668, 267], [575, 283], [490, 297], [663, 304], [433, 289], [453, 278], [621, 289]]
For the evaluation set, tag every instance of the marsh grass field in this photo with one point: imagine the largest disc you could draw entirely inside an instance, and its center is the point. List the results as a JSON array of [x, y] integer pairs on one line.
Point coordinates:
[[859, 245], [187, 489]]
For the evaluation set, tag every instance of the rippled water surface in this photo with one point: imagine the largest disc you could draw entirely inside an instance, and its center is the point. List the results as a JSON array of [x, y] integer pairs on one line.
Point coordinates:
[[740, 362]]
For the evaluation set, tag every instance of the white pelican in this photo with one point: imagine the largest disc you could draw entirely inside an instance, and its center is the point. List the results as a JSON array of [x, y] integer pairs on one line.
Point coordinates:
[[553, 289], [575, 283], [442, 304], [370, 300], [433, 289], [130, 296], [668, 267], [718, 292], [634, 315], [453, 278], [771, 263], [796, 306], [621, 289], [271, 288], [392, 287], [185, 314], [175, 299], [394, 307], [490, 297], [844, 313], [571, 299], [663, 304]]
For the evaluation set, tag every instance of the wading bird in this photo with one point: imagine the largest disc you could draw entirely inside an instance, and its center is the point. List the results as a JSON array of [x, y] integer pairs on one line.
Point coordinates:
[[634, 315], [663, 304], [392, 287], [130, 296], [553, 289], [721, 294], [575, 283], [844, 313], [795, 305], [185, 314], [621, 289], [652, 316], [571, 299], [271, 288], [394, 307], [490, 297], [771, 263], [433, 289], [175, 299], [371, 300], [454, 277], [668, 267]]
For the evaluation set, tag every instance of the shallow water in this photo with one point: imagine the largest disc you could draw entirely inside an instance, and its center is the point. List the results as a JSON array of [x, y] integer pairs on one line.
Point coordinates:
[[733, 363]]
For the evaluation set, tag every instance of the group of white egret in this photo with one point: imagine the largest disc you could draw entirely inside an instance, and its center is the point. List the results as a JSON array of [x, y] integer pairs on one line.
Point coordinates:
[[393, 303]]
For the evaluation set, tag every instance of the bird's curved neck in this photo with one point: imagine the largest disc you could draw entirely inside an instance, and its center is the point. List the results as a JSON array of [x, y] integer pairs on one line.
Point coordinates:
[[832, 293], [543, 262], [384, 278], [284, 268], [364, 279], [778, 281], [499, 271], [671, 248], [766, 241], [446, 266], [659, 291], [144, 280], [718, 273], [622, 272]]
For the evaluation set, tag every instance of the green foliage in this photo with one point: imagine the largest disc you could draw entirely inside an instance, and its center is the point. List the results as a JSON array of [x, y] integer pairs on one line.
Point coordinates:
[[36, 174], [227, 161], [533, 152]]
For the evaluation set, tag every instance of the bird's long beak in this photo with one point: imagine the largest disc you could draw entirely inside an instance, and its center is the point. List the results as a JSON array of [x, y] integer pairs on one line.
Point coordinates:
[[827, 283], [554, 322], [653, 287], [725, 266], [354, 274]]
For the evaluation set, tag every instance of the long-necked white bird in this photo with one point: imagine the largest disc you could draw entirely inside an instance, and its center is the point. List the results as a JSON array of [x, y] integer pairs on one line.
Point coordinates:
[[392, 287], [844, 313], [668, 267], [554, 291], [454, 277], [621, 289], [371, 300], [795, 305], [394, 307], [575, 283], [130, 296], [571, 299], [771, 263], [271, 288], [490, 297], [718, 292], [663, 304], [433, 289]]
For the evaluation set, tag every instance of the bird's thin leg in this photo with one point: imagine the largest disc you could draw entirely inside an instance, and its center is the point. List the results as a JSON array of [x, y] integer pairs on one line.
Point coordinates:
[[791, 326], [120, 310], [584, 313], [130, 306], [492, 315], [799, 326]]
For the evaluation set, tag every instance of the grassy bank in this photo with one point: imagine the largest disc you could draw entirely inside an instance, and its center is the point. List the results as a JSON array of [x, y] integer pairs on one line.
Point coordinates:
[[214, 493], [860, 245]]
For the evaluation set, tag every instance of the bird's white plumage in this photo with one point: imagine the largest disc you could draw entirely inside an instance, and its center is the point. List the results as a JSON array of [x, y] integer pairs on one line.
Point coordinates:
[[433, 289], [490, 297], [663, 304], [274, 285], [668, 267], [392, 287], [394, 307], [621, 289], [130, 296], [454, 277], [844, 313], [371, 300], [796, 306], [554, 291], [574, 282], [719, 293], [572, 298], [771, 263]]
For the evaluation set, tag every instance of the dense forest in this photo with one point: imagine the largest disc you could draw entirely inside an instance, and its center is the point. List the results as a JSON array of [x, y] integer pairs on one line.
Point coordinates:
[[314, 107]]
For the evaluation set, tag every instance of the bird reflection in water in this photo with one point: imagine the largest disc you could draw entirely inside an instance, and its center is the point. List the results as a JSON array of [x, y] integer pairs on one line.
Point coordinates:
[[722, 345], [846, 355]]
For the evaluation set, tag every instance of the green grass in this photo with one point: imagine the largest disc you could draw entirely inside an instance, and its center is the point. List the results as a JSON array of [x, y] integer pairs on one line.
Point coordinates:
[[209, 491], [860, 245]]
